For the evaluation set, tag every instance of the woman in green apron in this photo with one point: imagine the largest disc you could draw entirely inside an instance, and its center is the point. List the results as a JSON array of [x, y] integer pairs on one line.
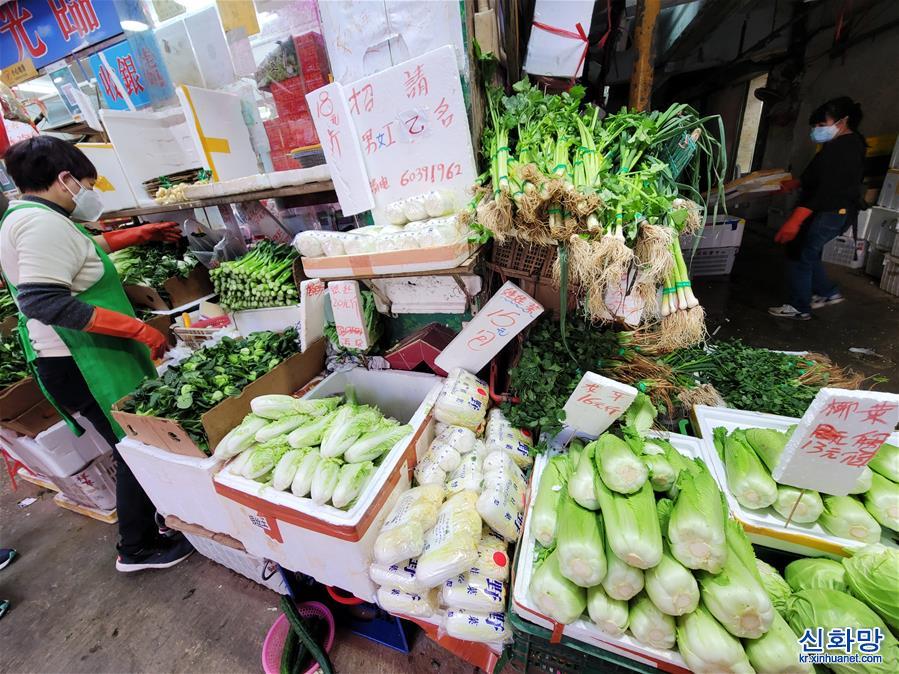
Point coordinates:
[[81, 339]]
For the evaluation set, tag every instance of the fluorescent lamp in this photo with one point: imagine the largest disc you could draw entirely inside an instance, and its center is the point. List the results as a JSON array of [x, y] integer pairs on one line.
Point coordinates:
[[134, 26]]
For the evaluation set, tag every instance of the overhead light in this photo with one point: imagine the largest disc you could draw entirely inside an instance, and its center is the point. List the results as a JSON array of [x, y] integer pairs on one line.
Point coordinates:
[[134, 26]]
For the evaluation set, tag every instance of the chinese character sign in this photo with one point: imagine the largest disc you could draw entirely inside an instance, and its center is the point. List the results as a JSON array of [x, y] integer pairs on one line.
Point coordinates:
[[507, 313], [346, 305], [836, 438], [118, 76], [312, 312], [596, 402], [335, 128], [49, 30], [412, 128]]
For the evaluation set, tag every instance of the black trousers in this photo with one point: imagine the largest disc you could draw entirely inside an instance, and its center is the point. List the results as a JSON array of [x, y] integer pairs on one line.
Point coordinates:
[[62, 379]]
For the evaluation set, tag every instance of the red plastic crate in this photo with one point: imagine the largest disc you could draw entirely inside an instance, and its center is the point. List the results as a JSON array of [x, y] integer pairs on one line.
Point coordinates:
[[313, 59], [290, 97]]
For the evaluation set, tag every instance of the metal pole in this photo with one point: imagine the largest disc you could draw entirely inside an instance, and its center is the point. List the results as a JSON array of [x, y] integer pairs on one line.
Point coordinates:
[[641, 78]]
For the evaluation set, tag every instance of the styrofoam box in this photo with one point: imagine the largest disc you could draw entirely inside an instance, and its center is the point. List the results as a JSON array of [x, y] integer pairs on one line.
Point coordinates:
[[57, 452], [299, 176], [719, 232], [583, 629], [889, 193], [766, 527], [275, 319], [846, 252], [249, 566], [178, 485], [881, 230], [93, 486], [334, 546]]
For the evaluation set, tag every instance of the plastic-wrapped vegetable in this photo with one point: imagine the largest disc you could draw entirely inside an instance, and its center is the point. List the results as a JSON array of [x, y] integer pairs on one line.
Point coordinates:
[[395, 214], [554, 594], [817, 572], [414, 208], [458, 437], [846, 517], [427, 471], [580, 484], [462, 400], [806, 506], [499, 467], [707, 647], [501, 436], [649, 625], [872, 574], [696, 527], [467, 476], [332, 243], [481, 627], [350, 482], [579, 543], [546, 503], [444, 455], [400, 575], [439, 202], [302, 480], [402, 534], [474, 593], [286, 468], [493, 559], [308, 244], [621, 470], [240, 438], [325, 480], [394, 600], [777, 588], [451, 546], [609, 615], [499, 506], [777, 651]]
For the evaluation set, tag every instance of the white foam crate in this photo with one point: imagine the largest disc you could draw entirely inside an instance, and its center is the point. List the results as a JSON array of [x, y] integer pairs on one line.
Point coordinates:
[[889, 281], [249, 566], [583, 629], [723, 231], [274, 319], [846, 252], [881, 230], [178, 485], [93, 486], [711, 261], [335, 546], [766, 527], [57, 452]]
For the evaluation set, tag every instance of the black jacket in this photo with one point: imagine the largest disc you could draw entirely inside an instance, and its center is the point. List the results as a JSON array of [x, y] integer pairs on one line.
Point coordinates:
[[833, 179]]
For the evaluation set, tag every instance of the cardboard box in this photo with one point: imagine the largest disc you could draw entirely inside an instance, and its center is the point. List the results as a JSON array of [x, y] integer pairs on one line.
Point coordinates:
[[168, 434], [393, 262], [180, 290], [164, 325], [9, 324], [25, 410]]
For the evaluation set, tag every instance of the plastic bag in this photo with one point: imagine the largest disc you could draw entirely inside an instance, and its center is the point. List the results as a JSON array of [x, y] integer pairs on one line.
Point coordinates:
[[499, 505], [394, 600], [414, 208], [474, 593], [467, 476], [499, 468], [473, 626], [402, 535], [444, 455], [451, 545], [428, 472], [500, 435], [493, 558], [458, 437], [394, 213], [462, 401], [400, 575]]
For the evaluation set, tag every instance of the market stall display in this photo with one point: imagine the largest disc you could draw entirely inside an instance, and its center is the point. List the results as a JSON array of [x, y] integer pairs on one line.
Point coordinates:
[[262, 278]]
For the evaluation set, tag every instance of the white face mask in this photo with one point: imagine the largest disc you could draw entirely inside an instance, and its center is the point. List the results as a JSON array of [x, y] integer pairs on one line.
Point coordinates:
[[88, 203]]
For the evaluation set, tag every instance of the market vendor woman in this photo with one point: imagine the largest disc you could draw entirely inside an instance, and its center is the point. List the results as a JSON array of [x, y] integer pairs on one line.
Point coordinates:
[[78, 330], [829, 200]]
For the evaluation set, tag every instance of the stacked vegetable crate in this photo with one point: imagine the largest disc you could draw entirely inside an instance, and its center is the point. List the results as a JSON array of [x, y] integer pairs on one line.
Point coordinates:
[[517, 258]]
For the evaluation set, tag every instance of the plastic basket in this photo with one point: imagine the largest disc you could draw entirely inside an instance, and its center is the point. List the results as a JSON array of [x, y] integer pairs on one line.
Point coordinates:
[[194, 337], [274, 640], [846, 252], [712, 261], [532, 650], [529, 259]]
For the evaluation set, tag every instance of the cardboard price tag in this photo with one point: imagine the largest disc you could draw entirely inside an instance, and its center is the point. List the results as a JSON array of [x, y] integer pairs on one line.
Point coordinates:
[[836, 438], [312, 312], [507, 313], [596, 402], [346, 304]]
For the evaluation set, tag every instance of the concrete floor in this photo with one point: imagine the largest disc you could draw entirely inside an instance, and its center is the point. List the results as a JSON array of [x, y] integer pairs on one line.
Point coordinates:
[[73, 613]]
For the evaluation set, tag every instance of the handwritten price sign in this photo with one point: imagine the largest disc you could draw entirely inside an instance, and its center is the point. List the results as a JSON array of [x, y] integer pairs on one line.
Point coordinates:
[[346, 304], [836, 438], [596, 402], [312, 312], [507, 313]]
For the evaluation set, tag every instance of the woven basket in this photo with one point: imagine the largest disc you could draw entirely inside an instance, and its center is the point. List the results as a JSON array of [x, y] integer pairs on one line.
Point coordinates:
[[529, 259]]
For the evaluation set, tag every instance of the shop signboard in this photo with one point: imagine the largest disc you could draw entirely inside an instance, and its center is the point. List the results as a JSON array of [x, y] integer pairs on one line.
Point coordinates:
[[46, 31], [836, 438], [119, 78]]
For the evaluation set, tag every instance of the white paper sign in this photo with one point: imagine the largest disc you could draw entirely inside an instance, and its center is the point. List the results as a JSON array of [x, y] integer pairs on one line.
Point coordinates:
[[836, 438], [558, 42], [346, 304], [338, 138], [312, 312], [596, 402], [412, 128], [507, 313]]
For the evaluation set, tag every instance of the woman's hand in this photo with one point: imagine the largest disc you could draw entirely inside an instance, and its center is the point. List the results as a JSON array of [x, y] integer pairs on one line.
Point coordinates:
[[790, 229], [169, 232]]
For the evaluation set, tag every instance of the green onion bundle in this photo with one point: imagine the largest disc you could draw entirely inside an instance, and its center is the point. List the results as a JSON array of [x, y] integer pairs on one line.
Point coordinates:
[[262, 278]]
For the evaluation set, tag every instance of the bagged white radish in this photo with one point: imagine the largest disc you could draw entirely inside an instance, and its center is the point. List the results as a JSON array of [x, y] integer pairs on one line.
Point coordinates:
[[400, 575], [414, 208], [467, 476], [474, 593], [302, 480], [499, 505], [458, 437], [394, 600], [439, 202], [394, 213], [308, 243], [481, 627]]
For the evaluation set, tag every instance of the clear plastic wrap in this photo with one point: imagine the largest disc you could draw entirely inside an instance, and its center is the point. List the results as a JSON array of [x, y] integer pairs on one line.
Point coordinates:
[[451, 546], [403, 534], [462, 401], [468, 476], [394, 600], [474, 593], [400, 575], [499, 505], [308, 243], [414, 208], [500, 435], [395, 214], [473, 626], [444, 455], [439, 202], [458, 437], [428, 472]]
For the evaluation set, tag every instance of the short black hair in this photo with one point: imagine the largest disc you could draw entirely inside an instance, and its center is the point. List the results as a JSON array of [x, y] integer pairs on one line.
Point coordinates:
[[836, 109], [35, 163]]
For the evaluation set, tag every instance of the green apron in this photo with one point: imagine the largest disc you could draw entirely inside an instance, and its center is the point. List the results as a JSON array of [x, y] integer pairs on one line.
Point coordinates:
[[112, 366]]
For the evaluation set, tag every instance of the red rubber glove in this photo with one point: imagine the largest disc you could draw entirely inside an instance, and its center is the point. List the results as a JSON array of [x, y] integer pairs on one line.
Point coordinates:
[[169, 232], [114, 324], [790, 229]]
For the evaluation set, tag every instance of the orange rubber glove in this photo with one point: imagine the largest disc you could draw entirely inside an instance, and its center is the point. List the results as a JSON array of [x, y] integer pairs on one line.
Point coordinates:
[[114, 324], [170, 232], [790, 229], [790, 185]]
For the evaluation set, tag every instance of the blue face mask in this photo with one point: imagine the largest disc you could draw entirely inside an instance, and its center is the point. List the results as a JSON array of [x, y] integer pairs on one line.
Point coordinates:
[[823, 134]]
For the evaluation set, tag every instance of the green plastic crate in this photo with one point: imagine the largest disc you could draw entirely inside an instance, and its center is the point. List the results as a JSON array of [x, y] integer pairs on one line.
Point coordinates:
[[531, 651]]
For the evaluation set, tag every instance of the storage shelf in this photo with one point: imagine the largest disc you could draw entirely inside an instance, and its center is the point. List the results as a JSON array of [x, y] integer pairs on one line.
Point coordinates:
[[464, 268], [323, 192]]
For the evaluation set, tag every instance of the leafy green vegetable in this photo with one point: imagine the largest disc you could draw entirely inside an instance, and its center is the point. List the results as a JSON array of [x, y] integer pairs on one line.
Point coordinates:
[[350, 481], [886, 462], [649, 625], [554, 594], [777, 651], [622, 581], [798, 505], [777, 588], [609, 615], [263, 459], [544, 518], [619, 468], [152, 265], [882, 501], [325, 480], [261, 278], [286, 468], [350, 422], [580, 484], [310, 433], [707, 647], [208, 376], [579, 543], [631, 524], [12, 361], [846, 517], [696, 527], [371, 445], [670, 585], [747, 478], [873, 576], [815, 572]]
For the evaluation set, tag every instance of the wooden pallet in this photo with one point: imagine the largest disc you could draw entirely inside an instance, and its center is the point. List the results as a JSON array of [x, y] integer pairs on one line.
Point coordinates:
[[107, 516]]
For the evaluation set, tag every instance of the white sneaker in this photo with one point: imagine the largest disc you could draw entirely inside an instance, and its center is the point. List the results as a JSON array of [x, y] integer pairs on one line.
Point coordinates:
[[818, 301], [788, 311]]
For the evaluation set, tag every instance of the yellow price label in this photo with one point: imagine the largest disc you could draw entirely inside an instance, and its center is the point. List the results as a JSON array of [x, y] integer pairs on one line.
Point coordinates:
[[18, 72]]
